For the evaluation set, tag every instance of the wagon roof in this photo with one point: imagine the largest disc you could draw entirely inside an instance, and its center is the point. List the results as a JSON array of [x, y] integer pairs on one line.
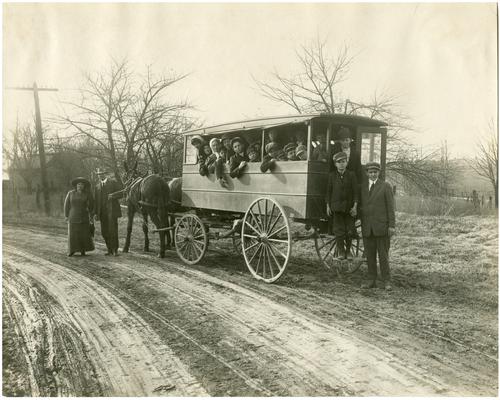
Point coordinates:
[[263, 123]]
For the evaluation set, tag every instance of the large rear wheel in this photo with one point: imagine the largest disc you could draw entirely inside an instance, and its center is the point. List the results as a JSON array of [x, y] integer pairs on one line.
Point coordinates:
[[266, 239], [191, 239]]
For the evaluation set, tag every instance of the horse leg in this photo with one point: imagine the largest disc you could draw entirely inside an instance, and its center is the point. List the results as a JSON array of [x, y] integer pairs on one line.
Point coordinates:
[[157, 221], [145, 230], [130, 222]]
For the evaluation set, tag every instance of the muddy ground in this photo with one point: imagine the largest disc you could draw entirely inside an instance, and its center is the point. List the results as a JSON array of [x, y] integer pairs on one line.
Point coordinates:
[[135, 325]]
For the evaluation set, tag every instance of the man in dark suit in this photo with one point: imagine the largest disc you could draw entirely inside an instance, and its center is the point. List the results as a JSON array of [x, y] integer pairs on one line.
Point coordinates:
[[108, 210], [378, 223], [341, 204], [239, 159]]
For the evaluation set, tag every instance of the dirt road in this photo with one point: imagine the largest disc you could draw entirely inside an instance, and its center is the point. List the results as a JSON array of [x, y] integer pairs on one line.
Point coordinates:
[[134, 325]]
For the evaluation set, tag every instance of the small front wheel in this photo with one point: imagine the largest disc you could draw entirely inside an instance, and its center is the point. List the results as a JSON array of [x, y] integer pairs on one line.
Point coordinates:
[[191, 239]]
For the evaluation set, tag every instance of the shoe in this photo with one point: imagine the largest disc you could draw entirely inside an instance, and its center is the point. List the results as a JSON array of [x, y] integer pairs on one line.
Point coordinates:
[[388, 286], [71, 254], [115, 253], [368, 285], [83, 253], [108, 253]]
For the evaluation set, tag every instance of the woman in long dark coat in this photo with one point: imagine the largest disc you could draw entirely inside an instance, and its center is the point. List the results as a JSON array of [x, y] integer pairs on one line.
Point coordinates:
[[78, 210]]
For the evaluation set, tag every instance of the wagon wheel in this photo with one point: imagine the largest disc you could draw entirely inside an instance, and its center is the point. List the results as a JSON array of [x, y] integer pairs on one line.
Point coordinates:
[[191, 239], [326, 247], [236, 238], [266, 239]]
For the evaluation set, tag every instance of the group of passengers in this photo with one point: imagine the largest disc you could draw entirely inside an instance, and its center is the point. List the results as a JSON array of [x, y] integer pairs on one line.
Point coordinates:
[[236, 152]]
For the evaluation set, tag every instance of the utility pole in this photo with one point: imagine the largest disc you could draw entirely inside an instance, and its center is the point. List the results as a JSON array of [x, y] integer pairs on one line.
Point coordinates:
[[41, 147]]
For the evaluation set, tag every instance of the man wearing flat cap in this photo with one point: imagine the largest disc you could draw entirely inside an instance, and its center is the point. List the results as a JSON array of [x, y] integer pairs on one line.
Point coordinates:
[[289, 150], [239, 159], [378, 222], [108, 209], [341, 204]]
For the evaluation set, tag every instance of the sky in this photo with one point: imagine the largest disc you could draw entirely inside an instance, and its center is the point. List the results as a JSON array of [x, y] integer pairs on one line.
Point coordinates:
[[440, 60]]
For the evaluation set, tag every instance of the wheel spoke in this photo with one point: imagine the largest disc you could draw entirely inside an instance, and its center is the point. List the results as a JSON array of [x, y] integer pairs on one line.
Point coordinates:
[[250, 236], [185, 250], [329, 251], [252, 246], [260, 215], [247, 223], [274, 257], [278, 250], [271, 227], [264, 261], [260, 251], [326, 243], [271, 215], [278, 240], [196, 246], [257, 222], [265, 217], [276, 232], [269, 254]]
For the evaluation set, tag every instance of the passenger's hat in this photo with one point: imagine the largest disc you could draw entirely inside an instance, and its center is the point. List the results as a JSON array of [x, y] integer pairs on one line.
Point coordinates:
[[237, 139], [197, 138], [344, 133], [78, 180], [289, 147], [339, 156], [300, 150], [372, 165], [272, 146], [214, 140], [100, 171]]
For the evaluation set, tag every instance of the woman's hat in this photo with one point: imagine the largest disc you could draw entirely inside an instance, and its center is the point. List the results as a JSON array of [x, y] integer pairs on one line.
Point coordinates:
[[197, 138], [214, 140], [78, 180], [237, 139]]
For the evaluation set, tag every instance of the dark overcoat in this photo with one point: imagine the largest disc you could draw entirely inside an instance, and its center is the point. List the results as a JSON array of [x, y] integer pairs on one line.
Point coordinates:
[[377, 209], [102, 204], [342, 191]]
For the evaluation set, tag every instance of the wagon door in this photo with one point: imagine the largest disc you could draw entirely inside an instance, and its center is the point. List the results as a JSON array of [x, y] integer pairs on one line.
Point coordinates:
[[371, 143]]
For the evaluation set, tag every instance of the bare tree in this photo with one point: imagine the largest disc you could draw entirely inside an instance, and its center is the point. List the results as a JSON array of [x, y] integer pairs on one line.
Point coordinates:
[[486, 161], [114, 110], [315, 89], [22, 154]]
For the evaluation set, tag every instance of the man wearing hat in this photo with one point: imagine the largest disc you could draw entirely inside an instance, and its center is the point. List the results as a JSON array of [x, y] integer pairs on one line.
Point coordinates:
[[289, 150], [108, 209], [239, 159], [226, 143], [378, 223], [343, 142], [341, 204], [274, 153]]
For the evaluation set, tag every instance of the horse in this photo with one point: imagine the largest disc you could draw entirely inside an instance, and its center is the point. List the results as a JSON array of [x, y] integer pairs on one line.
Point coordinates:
[[149, 195]]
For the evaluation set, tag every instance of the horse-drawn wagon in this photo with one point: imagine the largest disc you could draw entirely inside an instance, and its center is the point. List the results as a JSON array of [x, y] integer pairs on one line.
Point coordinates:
[[258, 207]]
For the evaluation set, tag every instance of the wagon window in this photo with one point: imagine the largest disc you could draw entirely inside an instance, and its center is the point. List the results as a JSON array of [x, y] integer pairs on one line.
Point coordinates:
[[371, 147], [190, 155]]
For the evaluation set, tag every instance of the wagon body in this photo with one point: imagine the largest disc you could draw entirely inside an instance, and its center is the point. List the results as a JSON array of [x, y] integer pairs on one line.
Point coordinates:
[[299, 186]]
